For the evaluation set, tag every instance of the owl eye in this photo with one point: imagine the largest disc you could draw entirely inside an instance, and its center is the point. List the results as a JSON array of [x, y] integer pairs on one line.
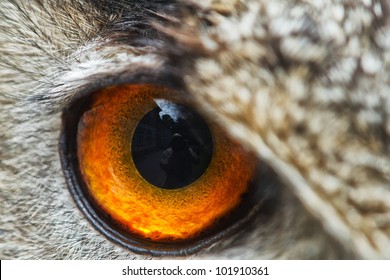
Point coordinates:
[[152, 174]]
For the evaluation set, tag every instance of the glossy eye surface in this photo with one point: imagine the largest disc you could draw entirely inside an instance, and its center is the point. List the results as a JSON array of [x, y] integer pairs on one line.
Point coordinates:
[[154, 169], [172, 146]]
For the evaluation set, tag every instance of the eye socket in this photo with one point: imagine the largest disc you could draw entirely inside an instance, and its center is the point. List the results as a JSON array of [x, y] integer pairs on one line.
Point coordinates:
[[115, 190]]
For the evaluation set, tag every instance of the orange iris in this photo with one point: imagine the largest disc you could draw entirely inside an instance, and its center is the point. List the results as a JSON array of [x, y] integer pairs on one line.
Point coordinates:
[[104, 150]]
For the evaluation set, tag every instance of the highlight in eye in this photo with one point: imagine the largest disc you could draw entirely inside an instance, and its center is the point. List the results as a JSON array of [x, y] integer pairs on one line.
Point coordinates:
[[172, 146]]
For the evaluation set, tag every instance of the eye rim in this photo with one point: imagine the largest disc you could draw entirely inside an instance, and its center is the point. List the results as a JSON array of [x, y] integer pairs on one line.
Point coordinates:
[[101, 221]]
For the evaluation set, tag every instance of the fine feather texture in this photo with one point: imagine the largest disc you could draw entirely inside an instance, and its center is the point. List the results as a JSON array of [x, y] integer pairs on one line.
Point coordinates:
[[314, 99], [304, 85]]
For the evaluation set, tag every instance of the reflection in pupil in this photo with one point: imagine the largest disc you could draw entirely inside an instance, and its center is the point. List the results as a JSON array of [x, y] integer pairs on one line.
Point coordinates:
[[172, 146]]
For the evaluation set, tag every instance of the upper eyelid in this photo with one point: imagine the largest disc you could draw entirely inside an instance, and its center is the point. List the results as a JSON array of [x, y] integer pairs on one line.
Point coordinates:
[[83, 77]]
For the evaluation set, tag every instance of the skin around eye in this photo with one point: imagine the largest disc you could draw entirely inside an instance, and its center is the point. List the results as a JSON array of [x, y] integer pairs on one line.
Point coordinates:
[[104, 137]]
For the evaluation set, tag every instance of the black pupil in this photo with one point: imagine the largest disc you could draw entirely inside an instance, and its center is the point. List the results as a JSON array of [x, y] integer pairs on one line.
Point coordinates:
[[172, 146]]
